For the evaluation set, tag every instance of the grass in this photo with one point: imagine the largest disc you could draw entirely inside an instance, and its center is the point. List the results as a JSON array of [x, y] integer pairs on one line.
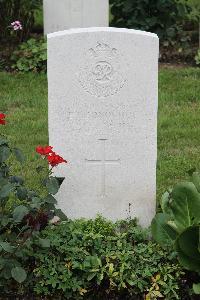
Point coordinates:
[[178, 125], [24, 98]]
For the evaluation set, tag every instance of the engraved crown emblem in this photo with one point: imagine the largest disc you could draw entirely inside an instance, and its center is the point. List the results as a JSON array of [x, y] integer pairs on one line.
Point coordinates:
[[102, 49], [102, 74]]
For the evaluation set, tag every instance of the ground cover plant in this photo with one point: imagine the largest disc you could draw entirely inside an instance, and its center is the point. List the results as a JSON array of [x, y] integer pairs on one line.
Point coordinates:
[[30, 56], [100, 260]]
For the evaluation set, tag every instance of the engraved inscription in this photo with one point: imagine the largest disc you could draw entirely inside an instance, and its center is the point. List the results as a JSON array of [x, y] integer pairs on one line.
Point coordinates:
[[118, 118], [103, 162], [101, 74]]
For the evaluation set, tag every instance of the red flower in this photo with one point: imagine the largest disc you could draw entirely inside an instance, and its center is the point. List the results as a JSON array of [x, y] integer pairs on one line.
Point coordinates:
[[2, 119], [44, 150], [55, 159]]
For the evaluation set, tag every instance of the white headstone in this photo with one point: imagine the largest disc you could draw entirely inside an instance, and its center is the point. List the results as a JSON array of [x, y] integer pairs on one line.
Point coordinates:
[[103, 120], [64, 14]]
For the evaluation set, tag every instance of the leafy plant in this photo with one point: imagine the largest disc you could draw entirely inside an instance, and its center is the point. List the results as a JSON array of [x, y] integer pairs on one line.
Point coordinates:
[[91, 259], [179, 223], [31, 56], [197, 57], [164, 18], [23, 214], [194, 13]]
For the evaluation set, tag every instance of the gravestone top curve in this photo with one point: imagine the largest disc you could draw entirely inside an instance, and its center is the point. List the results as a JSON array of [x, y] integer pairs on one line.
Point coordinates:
[[101, 29]]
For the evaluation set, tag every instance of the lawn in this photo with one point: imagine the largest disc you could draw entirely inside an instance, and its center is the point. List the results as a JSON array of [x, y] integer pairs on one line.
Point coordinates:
[[24, 98]]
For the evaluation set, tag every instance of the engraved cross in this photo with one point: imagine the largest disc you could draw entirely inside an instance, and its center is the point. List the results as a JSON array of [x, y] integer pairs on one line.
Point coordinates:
[[102, 163]]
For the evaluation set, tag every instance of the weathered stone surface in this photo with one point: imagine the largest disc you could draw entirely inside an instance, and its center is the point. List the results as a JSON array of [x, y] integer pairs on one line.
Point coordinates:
[[64, 14], [103, 119]]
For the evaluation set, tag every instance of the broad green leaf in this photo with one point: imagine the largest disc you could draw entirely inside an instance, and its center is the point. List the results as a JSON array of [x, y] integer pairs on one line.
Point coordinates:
[[186, 261], [36, 203], [60, 180], [6, 273], [52, 185], [19, 274], [172, 224], [196, 180], [17, 179], [6, 190], [3, 141], [50, 206], [4, 220], [7, 247], [165, 205], [187, 245], [19, 155], [22, 193], [50, 199], [19, 213], [32, 194], [4, 153], [44, 243], [162, 232], [196, 288], [60, 214], [185, 205], [188, 242]]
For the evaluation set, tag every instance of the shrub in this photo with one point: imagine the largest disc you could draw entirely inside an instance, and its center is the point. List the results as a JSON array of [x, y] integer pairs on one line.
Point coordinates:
[[101, 260], [161, 17], [23, 214], [22, 10], [31, 56], [178, 225]]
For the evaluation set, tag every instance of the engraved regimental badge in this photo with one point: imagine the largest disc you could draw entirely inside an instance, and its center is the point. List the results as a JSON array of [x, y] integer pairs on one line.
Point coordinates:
[[101, 75]]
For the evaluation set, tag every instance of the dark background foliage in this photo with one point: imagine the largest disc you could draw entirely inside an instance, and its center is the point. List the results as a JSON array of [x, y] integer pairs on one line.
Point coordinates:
[[175, 22], [23, 10], [163, 17]]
